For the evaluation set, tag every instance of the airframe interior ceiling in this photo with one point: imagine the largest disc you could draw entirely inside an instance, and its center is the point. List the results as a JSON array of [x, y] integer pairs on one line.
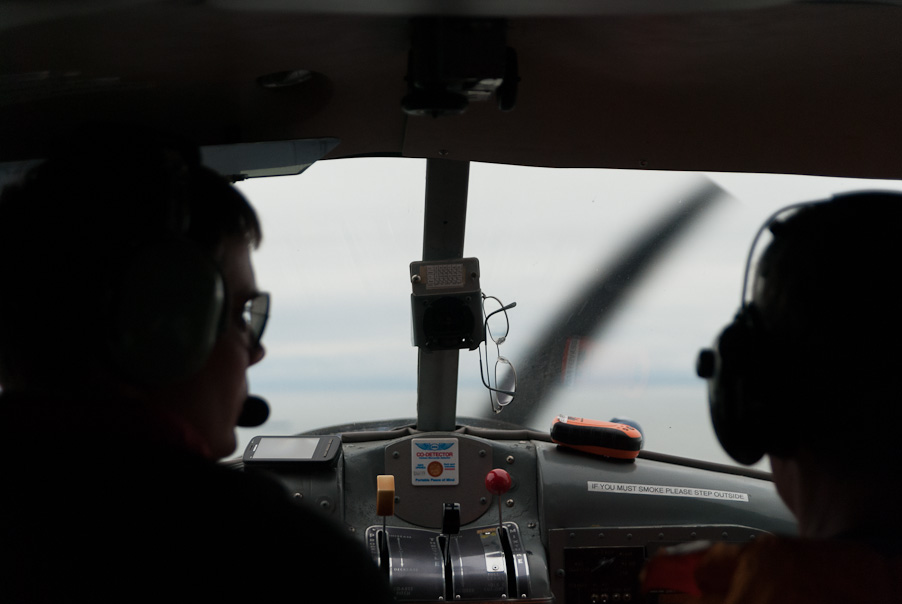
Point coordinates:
[[801, 87]]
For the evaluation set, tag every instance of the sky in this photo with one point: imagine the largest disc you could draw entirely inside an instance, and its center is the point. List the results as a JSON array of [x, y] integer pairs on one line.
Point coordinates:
[[339, 238]]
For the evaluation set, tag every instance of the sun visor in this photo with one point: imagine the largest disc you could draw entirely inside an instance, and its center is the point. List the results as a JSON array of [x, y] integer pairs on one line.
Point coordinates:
[[275, 158], [236, 162], [13, 171]]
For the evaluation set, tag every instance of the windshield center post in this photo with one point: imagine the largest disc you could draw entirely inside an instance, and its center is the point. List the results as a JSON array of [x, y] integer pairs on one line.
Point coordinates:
[[444, 226]]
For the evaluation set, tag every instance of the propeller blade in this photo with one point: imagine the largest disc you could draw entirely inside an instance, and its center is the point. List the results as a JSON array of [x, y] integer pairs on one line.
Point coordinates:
[[541, 373]]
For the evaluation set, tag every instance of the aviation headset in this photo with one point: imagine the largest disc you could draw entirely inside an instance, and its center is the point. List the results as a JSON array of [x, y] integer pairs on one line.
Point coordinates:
[[166, 308], [772, 388], [740, 370]]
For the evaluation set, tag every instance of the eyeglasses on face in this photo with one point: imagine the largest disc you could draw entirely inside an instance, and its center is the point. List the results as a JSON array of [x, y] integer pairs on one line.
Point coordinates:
[[255, 314]]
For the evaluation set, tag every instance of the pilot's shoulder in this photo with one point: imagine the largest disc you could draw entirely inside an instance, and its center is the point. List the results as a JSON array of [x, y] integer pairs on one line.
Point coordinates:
[[786, 569], [776, 570]]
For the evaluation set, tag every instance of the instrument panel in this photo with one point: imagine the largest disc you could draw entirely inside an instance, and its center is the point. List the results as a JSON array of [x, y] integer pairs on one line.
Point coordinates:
[[569, 527]]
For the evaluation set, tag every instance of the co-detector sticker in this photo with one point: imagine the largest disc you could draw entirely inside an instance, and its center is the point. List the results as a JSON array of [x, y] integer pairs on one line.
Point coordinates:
[[434, 461], [665, 491]]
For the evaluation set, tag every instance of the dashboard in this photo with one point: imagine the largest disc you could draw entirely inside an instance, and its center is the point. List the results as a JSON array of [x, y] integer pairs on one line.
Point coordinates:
[[571, 527]]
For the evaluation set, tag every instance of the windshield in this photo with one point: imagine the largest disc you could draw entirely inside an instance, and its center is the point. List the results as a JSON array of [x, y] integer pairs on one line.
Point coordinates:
[[338, 240]]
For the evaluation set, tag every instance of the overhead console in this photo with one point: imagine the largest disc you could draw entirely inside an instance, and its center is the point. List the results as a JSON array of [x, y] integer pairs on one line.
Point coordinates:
[[474, 519]]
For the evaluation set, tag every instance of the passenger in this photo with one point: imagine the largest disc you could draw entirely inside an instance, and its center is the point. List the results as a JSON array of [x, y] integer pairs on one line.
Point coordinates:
[[129, 315], [809, 374]]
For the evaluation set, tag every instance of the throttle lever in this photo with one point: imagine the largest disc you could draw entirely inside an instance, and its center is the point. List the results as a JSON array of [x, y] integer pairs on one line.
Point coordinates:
[[450, 527], [385, 506]]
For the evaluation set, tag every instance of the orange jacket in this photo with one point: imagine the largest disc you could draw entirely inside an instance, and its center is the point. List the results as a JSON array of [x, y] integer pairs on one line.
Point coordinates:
[[777, 570]]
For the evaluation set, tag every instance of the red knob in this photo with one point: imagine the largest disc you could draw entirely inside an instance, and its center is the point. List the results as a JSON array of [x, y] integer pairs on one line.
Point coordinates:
[[498, 482]]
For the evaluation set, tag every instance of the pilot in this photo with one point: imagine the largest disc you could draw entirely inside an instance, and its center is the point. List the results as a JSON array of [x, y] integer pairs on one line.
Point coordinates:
[[808, 373], [129, 315]]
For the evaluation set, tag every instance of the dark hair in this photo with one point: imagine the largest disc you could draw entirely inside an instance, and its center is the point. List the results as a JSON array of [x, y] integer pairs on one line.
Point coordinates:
[[826, 290], [70, 228]]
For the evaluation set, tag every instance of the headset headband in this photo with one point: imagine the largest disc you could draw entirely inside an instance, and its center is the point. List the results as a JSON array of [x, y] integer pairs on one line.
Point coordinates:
[[769, 223]]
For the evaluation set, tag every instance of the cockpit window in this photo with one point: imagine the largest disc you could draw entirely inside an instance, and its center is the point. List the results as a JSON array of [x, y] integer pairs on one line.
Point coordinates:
[[338, 240]]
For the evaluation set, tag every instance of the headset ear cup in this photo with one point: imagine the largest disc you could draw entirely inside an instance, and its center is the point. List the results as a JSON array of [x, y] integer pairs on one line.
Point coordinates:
[[166, 313], [734, 408]]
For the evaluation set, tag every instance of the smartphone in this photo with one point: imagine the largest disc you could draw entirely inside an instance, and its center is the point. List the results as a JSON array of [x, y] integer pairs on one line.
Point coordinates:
[[280, 450]]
